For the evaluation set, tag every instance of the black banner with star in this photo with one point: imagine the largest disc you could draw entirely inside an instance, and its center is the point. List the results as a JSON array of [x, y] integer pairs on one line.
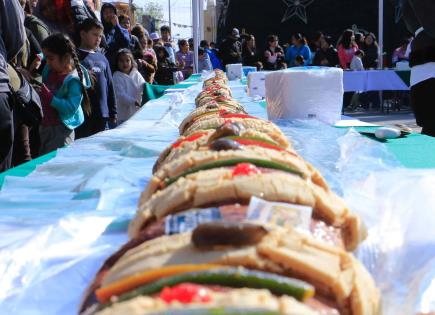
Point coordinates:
[[284, 17]]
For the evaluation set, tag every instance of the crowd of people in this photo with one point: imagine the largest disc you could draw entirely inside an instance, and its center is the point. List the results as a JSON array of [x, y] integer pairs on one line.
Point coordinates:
[[321, 50], [351, 51], [88, 73]]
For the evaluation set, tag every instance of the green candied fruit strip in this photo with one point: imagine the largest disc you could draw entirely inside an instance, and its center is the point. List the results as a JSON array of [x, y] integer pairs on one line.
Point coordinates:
[[234, 162], [233, 278], [256, 139]]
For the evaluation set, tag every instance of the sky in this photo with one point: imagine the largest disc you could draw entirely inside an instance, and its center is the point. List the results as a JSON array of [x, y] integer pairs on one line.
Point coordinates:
[[181, 12]]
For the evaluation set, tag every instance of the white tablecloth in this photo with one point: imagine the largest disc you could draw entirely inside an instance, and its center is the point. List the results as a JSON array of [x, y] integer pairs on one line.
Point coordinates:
[[372, 80]]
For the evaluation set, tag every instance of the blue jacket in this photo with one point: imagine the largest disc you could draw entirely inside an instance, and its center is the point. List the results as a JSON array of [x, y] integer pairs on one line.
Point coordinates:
[[215, 62], [116, 36], [102, 96], [292, 52], [68, 98]]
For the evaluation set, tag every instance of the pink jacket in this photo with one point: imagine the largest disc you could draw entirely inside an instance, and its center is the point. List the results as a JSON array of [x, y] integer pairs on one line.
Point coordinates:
[[345, 55]]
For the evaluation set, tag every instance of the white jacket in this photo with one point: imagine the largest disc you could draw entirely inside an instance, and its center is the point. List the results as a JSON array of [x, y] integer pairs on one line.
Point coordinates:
[[128, 90], [356, 63]]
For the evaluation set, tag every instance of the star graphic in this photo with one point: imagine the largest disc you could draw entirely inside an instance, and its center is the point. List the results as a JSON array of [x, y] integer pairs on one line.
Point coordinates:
[[298, 8]]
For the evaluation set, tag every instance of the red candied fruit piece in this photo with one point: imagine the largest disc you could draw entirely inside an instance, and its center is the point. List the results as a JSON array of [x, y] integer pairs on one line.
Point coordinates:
[[185, 293], [188, 139], [245, 169]]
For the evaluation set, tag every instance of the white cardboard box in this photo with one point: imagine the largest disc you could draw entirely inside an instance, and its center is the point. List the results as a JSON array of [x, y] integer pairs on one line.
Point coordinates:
[[305, 93], [234, 71], [257, 83]]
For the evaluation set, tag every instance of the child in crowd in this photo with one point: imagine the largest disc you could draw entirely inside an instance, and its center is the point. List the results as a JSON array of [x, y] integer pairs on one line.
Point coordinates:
[[102, 96], [165, 69], [63, 93], [116, 36], [356, 63], [128, 83], [147, 64], [204, 63]]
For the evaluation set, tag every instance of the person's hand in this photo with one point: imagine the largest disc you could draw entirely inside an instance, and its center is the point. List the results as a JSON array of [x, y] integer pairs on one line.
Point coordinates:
[[181, 65], [35, 65], [114, 20], [234, 54]]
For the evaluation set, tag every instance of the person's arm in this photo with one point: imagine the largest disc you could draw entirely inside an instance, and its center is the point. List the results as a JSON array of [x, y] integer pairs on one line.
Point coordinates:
[[424, 10], [395, 57], [290, 56], [80, 11], [307, 55], [122, 37], [335, 59], [12, 31], [209, 67], [68, 105]]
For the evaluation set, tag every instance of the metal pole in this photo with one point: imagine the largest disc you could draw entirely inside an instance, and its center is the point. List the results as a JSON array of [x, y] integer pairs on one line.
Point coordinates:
[[381, 46], [381, 35], [196, 31], [170, 17]]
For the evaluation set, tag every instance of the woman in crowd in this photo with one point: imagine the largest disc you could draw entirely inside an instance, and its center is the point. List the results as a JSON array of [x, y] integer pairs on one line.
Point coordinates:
[[370, 61], [274, 54], [184, 58], [327, 55], [299, 47], [370, 48], [346, 48], [399, 53], [249, 53]]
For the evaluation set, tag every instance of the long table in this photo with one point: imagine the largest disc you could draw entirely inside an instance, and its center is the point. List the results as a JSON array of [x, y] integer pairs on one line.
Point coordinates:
[[66, 217], [375, 80]]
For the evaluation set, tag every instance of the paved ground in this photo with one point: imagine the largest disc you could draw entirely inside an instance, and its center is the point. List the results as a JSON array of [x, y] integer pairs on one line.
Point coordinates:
[[404, 116]]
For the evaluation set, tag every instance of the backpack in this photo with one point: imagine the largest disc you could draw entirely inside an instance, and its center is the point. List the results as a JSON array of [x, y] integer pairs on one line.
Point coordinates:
[[27, 103]]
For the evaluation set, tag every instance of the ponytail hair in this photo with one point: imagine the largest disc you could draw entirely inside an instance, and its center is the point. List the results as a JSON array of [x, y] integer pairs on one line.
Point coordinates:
[[61, 45]]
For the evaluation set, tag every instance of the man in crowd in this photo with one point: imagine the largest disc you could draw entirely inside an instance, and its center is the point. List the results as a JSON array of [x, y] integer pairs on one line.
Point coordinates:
[[12, 38], [231, 48], [169, 45], [215, 62]]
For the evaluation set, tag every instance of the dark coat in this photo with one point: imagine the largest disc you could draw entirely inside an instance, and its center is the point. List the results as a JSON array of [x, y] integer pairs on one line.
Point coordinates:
[[330, 54], [228, 47]]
